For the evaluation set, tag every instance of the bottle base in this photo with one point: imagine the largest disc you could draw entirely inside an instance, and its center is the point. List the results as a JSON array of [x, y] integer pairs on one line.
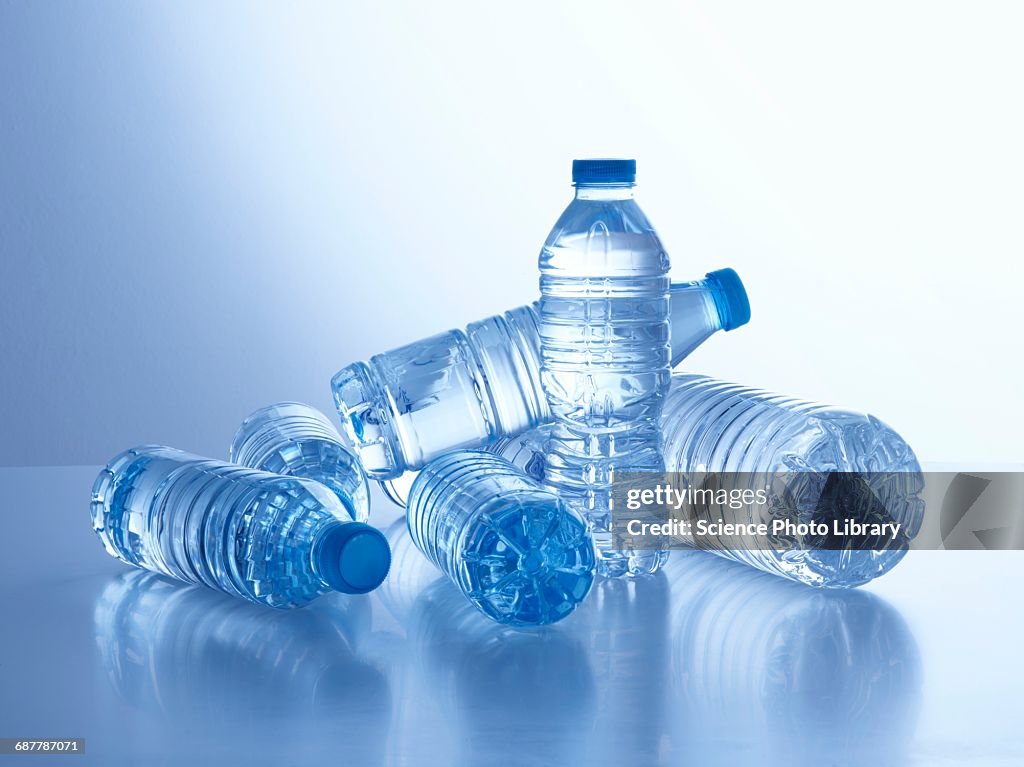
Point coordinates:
[[527, 564]]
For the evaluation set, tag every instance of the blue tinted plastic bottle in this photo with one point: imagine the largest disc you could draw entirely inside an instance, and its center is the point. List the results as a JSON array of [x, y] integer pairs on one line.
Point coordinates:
[[464, 389], [753, 435], [274, 540], [299, 441], [519, 553], [605, 348]]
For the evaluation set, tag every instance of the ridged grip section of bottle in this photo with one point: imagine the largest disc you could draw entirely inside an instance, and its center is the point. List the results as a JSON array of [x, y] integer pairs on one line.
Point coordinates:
[[605, 350], [452, 390], [520, 554], [239, 530], [711, 426], [299, 441]]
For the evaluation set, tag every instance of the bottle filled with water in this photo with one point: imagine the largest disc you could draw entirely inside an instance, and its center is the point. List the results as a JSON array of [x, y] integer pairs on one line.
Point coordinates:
[[605, 348], [817, 463], [275, 540], [299, 441], [700, 309], [517, 551], [466, 388]]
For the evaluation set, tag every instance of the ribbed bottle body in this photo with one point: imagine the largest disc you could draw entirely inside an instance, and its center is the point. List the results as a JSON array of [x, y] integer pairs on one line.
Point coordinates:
[[242, 531], [461, 388], [757, 437], [297, 440], [512, 547], [605, 356]]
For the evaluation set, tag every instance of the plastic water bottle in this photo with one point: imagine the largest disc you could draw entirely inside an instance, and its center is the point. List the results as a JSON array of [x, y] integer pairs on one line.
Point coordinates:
[[274, 540], [712, 426], [699, 310], [464, 389], [299, 441], [762, 665], [605, 348], [518, 552]]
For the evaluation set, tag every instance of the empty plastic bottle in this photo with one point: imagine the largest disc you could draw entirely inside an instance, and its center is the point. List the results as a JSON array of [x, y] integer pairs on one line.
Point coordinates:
[[299, 441], [518, 552], [463, 389], [605, 348], [829, 460], [274, 540]]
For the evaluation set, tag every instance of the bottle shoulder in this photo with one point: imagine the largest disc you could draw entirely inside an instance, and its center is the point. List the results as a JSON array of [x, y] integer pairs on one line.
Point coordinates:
[[614, 216], [614, 236]]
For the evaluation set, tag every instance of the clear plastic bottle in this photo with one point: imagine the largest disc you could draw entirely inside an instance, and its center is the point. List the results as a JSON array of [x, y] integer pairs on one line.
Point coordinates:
[[699, 310], [463, 389], [274, 540], [754, 436], [299, 441], [518, 552], [605, 348]]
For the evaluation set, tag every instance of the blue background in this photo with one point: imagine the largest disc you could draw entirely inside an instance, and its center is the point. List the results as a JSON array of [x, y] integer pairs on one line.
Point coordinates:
[[206, 207]]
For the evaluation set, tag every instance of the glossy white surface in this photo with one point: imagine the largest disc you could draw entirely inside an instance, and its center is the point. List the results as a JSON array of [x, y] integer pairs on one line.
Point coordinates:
[[708, 663]]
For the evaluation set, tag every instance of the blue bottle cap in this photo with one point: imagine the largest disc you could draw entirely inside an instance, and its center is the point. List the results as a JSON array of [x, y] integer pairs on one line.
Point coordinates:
[[607, 171], [730, 298], [353, 557]]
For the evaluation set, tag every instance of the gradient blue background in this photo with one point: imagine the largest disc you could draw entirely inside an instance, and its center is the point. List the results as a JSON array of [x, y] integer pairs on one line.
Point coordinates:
[[206, 207]]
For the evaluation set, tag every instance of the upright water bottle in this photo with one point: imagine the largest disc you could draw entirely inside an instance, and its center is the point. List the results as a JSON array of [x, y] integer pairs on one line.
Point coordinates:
[[605, 348], [464, 389], [519, 553], [819, 464], [274, 540], [299, 441]]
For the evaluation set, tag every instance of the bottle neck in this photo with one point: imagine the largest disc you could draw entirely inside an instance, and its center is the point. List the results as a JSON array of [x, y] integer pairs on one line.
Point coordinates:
[[604, 192], [694, 317]]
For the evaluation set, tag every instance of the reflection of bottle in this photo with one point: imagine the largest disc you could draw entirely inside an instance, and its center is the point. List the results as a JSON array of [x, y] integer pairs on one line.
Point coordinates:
[[488, 680], [278, 541], [463, 389], [411, 572], [624, 629], [794, 675], [206, 664], [299, 441], [517, 552], [833, 465]]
